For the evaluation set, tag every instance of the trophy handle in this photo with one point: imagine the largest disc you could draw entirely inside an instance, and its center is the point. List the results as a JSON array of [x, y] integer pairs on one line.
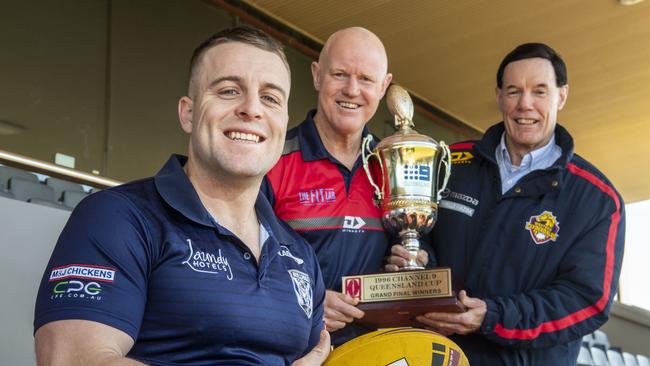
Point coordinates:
[[445, 159], [366, 154]]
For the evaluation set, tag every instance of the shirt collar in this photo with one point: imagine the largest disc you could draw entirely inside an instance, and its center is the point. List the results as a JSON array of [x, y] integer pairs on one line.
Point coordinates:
[[487, 146], [175, 188], [528, 160], [311, 145]]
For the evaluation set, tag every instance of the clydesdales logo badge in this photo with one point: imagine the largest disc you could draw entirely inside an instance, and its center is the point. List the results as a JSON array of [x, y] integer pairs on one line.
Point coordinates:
[[543, 227], [302, 288]]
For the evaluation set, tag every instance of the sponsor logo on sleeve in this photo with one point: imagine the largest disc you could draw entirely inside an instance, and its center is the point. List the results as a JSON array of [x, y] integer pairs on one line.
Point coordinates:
[[543, 227], [302, 288], [83, 271], [204, 262], [461, 207], [80, 281]]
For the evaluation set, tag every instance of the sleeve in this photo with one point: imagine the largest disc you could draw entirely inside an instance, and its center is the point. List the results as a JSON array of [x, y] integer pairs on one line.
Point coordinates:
[[99, 267], [578, 301]]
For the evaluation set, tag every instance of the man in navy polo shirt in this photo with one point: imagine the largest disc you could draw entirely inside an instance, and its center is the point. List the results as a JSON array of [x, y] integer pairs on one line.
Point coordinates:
[[191, 266]]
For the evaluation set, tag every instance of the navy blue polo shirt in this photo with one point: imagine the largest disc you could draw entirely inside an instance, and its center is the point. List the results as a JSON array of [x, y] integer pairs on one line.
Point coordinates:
[[148, 259]]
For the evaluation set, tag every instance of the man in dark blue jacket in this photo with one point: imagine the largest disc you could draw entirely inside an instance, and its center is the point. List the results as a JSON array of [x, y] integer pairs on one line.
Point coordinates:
[[533, 232]]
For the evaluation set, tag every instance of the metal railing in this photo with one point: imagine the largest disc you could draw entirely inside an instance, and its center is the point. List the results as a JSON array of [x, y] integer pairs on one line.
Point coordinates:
[[53, 170]]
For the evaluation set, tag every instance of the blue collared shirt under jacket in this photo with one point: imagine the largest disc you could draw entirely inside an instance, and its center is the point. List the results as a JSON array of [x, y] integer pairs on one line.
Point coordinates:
[[541, 158]]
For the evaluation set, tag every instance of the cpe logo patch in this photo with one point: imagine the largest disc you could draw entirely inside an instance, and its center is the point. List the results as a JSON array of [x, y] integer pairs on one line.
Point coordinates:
[[543, 227], [302, 288]]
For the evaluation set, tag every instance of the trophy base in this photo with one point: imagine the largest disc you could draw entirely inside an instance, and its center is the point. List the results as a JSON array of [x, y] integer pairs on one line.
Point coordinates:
[[394, 299], [402, 313]]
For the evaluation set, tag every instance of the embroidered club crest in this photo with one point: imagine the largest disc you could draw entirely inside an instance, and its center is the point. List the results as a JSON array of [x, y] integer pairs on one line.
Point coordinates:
[[543, 227], [302, 288]]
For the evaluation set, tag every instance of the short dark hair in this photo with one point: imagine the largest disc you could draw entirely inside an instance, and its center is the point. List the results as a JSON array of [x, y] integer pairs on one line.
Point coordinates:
[[242, 34], [534, 50]]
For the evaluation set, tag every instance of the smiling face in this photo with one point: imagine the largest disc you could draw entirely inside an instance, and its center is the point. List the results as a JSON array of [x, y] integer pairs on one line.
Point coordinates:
[[351, 79], [237, 114], [529, 101]]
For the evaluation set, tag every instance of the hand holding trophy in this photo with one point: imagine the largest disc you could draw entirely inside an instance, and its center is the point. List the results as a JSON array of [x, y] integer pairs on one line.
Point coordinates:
[[409, 172]]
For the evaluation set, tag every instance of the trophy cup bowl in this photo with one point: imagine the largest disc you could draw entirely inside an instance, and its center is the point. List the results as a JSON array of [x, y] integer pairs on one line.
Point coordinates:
[[408, 171], [412, 170]]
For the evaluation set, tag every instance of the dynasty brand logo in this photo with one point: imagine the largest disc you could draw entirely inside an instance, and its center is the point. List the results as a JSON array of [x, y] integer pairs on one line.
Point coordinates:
[[418, 172], [353, 224], [461, 157]]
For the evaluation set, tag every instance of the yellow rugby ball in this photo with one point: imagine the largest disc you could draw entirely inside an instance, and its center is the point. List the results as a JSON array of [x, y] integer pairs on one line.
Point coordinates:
[[398, 347]]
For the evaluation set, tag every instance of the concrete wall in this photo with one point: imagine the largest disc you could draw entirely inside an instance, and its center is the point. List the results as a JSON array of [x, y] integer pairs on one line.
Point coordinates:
[[100, 80], [629, 328], [28, 233]]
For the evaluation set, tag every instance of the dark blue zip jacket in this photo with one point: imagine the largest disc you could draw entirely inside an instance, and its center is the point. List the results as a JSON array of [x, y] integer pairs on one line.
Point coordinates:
[[545, 256]]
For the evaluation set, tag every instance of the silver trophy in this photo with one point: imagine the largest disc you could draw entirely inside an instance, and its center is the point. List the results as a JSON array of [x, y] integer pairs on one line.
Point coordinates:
[[409, 173]]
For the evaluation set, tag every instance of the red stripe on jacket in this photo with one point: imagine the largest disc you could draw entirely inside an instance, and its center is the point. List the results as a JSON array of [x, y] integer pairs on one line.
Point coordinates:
[[591, 310], [462, 146]]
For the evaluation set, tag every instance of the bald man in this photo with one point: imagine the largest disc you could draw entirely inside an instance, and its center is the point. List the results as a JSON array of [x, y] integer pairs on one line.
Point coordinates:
[[319, 186]]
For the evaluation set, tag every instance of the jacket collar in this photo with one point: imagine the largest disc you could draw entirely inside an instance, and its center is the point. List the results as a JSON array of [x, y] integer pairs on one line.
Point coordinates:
[[492, 137]]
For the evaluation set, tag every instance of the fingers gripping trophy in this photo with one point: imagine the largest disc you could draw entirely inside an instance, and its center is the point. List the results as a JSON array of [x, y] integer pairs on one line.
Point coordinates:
[[412, 170]]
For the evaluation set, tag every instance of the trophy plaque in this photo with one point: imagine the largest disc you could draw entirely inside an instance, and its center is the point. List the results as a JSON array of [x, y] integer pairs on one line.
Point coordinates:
[[409, 172]]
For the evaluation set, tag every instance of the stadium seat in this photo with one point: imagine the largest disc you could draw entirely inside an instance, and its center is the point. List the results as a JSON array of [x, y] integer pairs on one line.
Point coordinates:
[[32, 191], [600, 338], [584, 357], [599, 357], [7, 172], [615, 357], [629, 359], [60, 186], [642, 360], [70, 199]]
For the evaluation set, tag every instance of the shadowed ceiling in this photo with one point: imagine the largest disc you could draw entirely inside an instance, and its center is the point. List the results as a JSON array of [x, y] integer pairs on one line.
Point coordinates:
[[447, 53]]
